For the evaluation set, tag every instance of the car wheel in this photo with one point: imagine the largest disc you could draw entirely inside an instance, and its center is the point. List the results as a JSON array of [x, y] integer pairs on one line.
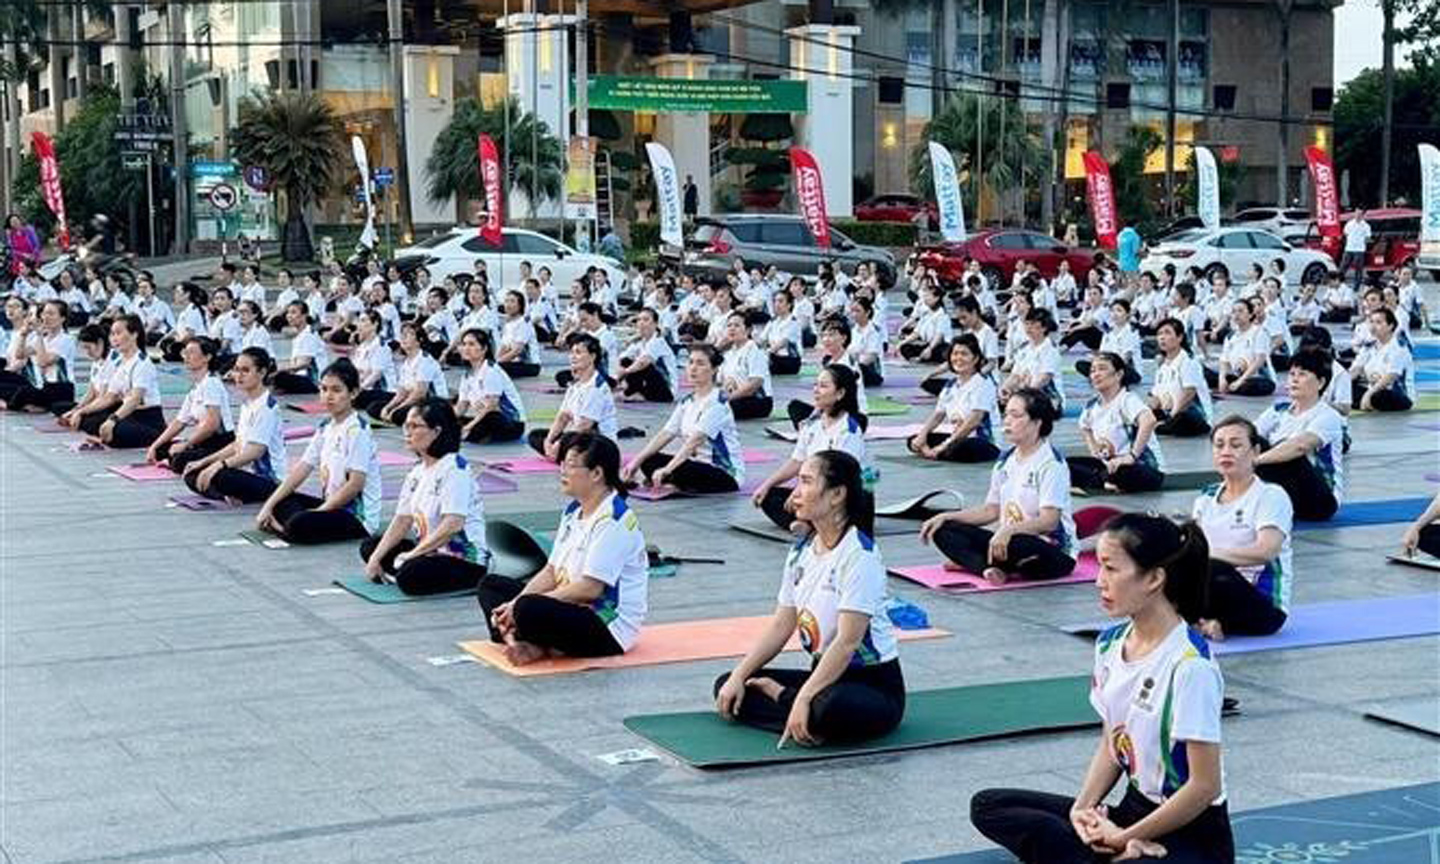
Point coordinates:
[[995, 276], [1216, 269], [1314, 274]]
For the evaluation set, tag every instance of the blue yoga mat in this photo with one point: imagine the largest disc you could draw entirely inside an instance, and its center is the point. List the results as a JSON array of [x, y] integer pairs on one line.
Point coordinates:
[[1391, 826], [1425, 350], [1338, 622], [1383, 512]]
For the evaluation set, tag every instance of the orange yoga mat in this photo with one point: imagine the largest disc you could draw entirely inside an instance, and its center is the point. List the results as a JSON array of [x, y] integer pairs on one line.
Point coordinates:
[[664, 643]]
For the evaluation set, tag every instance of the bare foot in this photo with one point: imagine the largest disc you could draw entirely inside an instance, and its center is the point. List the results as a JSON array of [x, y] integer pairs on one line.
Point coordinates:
[[522, 653], [769, 687], [952, 567], [1211, 629], [996, 576]]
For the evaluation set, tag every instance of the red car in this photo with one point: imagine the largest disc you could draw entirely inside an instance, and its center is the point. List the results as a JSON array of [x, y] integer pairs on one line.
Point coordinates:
[[897, 208], [1394, 238], [999, 249]]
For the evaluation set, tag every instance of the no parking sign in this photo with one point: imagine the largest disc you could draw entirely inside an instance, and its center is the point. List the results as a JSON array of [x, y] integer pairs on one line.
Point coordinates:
[[223, 197]]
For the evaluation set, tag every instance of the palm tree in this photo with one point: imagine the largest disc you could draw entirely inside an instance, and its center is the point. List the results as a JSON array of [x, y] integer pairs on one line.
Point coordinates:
[[453, 169], [298, 140], [956, 128]]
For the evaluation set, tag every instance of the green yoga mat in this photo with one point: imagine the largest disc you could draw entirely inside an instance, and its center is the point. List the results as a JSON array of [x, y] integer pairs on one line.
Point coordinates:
[[530, 520], [1190, 479], [910, 460], [543, 416], [879, 407], [1427, 402], [932, 717], [361, 586]]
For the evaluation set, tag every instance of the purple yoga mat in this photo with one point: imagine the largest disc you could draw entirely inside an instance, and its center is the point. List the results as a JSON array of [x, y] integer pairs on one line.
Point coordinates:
[[143, 472], [940, 577]]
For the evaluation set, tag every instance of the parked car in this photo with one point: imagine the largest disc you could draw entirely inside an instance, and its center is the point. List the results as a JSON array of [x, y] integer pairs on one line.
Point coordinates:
[[1178, 226], [1279, 221], [999, 249], [765, 239], [1234, 250], [1429, 258], [899, 208], [455, 252], [1394, 238]]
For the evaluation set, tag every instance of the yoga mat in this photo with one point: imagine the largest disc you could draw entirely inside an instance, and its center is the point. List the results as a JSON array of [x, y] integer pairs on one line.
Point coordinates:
[[385, 592], [782, 433], [678, 642], [1388, 826], [143, 472], [530, 520], [389, 458], [296, 433], [932, 717], [666, 492], [200, 503], [879, 406], [542, 415], [307, 407], [1385, 511], [1420, 559], [87, 445], [494, 484], [49, 427], [900, 433], [1190, 479], [523, 465], [910, 460], [923, 506], [1421, 714], [1336, 622], [264, 538], [939, 577], [1425, 350], [767, 530], [1427, 402]]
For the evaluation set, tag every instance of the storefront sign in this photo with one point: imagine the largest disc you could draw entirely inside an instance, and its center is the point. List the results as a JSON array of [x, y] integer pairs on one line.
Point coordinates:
[[623, 93]]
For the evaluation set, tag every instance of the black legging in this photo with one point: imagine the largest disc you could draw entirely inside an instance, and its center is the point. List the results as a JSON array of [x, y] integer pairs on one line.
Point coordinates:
[[495, 428], [648, 383], [1389, 399], [864, 703], [784, 364], [1189, 423], [371, 400], [536, 439], [1309, 494], [752, 407], [917, 353], [569, 628], [140, 429], [692, 475], [936, 384], [1088, 336], [179, 461], [1090, 474], [425, 574], [1026, 556], [1035, 827], [1238, 605], [1255, 385], [1430, 540], [293, 383], [520, 369], [170, 348], [244, 486], [303, 525], [47, 396], [870, 375], [969, 449]]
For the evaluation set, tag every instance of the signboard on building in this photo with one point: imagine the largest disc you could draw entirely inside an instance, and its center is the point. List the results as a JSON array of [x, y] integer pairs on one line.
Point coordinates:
[[580, 178], [626, 93]]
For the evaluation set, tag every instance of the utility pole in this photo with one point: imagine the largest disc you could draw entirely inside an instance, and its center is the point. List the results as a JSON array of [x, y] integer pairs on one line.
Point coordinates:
[[397, 87], [1387, 8], [57, 66], [1172, 87], [81, 62], [582, 94], [178, 39], [1282, 163]]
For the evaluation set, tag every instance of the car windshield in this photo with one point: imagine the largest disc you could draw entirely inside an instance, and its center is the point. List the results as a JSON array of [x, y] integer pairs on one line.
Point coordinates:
[[1188, 235], [432, 242]]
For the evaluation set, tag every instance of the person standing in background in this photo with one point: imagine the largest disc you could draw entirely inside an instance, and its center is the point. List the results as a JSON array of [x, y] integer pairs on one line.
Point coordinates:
[[691, 198], [1357, 238]]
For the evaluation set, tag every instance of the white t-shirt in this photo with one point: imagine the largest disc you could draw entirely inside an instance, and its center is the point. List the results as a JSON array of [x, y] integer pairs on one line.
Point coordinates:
[[446, 488], [260, 423], [1152, 706], [1035, 361], [1236, 523], [155, 314], [935, 326], [371, 358], [592, 400], [1021, 488], [961, 399], [517, 331], [225, 328], [423, 369], [661, 357], [833, 433], [746, 362], [339, 448], [849, 578], [59, 344], [209, 392], [442, 326], [1118, 422], [1279, 423], [781, 335], [607, 547], [1357, 235], [307, 344], [1391, 358], [989, 340], [712, 419], [1125, 342], [492, 380], [1173, 377], [256, 337], [1243, 346], [137, 373], [870, 339]]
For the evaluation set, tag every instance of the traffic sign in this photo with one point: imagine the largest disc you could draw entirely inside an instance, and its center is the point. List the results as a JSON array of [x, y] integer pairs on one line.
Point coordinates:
[[256, 178], [134, 162], [384, 176], [223, 197]]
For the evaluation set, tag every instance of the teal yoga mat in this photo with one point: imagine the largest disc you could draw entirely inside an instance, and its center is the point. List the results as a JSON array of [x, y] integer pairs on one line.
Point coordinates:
[[1389, 826], [386, 593], [932, 718]]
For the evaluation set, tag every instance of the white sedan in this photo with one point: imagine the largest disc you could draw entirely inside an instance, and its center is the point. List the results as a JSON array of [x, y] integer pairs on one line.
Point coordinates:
[[1233, 250], [456, 251]]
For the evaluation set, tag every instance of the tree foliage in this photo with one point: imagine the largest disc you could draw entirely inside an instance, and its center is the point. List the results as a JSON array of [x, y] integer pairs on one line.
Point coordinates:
[[956, 128], [1134, 192], [1230, 175], [453, 166], [1359, 113]]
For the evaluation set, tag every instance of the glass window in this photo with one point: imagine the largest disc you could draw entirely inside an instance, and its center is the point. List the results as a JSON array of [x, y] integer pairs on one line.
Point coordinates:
[[528, 244], [477, 246], [745, 232], [784, 234], [1261, 240], [1254, 215], [1237, 240], [1012, 240], [1194, 23]]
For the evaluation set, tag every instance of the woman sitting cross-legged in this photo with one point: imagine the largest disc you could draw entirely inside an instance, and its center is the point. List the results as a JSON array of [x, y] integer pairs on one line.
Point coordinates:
[[419, 378], [1306, 438], [589, 403], [1180, 396], [489, 405], [1383, 370], [832, 594], [590, 598], [647, 365], [205, 414], [709, 457], [249, 469], [967, 404], [441, 503], [1158, 693], [1029, 496], [128, 414], [1119, 431]]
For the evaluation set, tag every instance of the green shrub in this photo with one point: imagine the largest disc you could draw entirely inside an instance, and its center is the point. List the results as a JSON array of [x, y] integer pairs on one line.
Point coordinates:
[[644, 236], [877, 233]]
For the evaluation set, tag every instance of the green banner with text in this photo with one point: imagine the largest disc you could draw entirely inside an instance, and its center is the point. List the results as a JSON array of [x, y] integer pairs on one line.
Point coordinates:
[[625, 93]]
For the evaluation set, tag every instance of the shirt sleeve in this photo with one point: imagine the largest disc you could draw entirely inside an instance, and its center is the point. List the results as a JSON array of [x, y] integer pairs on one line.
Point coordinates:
[[264, 426], [456, 492], [786, 595], [311, 456], [591, 407], [1327, 426], [1267, 423], [1054, 488], [673, 425], [1274, 510], [144, 377], [802, 442], [1198, 691], [997, 479], [862, 584], [361, 453], [713, 418]]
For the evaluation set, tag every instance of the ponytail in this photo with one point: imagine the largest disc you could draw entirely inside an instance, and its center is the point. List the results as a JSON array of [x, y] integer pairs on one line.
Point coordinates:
[[1180, 551]]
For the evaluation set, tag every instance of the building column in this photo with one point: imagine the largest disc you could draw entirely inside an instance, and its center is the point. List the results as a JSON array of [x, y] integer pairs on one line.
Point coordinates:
[[821, 55], [125, 57], [429, 105], [56, 68], [686, 134], [537, 60]]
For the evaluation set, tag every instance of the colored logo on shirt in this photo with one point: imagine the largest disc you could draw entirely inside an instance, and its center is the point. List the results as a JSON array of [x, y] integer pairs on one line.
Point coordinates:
[[809, 629]]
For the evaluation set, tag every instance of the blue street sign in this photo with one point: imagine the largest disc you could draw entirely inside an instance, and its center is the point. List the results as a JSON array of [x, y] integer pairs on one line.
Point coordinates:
[[256, 178], [384, 176]]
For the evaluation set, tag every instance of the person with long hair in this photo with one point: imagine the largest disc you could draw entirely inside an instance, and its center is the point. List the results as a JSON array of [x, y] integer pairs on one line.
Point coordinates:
[[1248, 524], [300, 374], [343, 449], [836, 424], [709, 456], [204, 417], [588, 404], [128, 415], [420, 378], [374, 362], [832, 594], [967, 405], [94, 343], [834, 351], [1037, 363], [253, 332], [1118, 429], [48, 364], [488, 404], [1305, 441], [519, 349], [647, 365], [440, 503], [193, 319], [1180, 396], [1245, 368], [1029, 498], [591, 597], [745, 374], [249, 469], [1159, 694], [1383, 370], [868, 345]]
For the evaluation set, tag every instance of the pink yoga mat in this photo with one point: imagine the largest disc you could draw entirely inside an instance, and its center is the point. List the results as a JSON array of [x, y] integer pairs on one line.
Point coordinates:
[[898, 433], [938, 578], [389, 458], [307, 407], [295, 433], [143, 472], [86, 445], [523, 465], [749, 457]]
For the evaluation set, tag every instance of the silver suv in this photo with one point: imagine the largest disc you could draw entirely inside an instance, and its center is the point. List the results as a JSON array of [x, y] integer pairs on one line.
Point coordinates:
[[761, 240]]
